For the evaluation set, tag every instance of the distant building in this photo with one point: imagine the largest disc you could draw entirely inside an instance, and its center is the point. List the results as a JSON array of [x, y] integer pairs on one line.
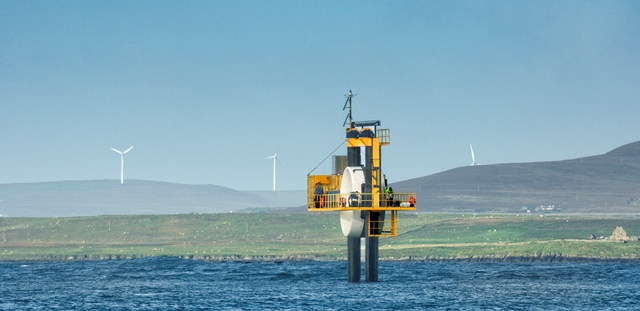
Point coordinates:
[[619, 234], [547, 208]]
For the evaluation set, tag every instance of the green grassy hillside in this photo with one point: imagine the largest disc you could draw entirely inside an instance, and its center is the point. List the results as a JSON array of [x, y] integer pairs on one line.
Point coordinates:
[[250, 236]]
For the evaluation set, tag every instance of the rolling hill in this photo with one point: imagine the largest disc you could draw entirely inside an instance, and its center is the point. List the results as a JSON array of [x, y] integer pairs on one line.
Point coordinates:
[[109, 197], [607, 183]]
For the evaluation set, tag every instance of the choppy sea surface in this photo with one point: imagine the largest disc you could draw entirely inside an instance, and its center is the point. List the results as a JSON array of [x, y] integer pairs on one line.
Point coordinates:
[[164, 283]]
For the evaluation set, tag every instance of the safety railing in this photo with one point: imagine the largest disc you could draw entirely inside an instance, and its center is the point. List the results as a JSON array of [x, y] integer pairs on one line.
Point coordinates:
[[361, 201], [384, 136], [384, 226]]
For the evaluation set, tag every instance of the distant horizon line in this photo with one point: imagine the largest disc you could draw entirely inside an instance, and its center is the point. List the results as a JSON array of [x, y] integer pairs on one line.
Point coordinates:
[[608, 153], [138, 180]]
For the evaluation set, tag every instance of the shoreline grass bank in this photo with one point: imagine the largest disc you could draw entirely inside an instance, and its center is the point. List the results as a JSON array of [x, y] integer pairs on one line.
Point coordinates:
[[280, 237]]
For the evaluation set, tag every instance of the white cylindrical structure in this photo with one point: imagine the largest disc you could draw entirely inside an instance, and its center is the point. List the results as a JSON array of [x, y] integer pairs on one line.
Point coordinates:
[[352, 222]]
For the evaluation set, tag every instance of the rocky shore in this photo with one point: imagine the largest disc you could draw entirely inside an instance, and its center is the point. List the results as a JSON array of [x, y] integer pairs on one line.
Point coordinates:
[[241, 258]]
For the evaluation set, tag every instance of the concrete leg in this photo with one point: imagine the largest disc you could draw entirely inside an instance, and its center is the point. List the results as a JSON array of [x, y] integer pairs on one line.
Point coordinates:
[[353, 258], [371, 259]]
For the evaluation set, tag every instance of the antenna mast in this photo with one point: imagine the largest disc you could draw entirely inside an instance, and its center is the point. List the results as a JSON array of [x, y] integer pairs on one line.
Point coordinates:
[[349, 116]]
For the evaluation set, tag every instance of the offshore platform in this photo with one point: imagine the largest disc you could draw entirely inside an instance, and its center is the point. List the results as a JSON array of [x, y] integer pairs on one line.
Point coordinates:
[[357, 189]]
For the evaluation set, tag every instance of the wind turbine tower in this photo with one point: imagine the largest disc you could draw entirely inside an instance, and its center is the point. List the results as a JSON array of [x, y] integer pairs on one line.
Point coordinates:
[[275, 158], [122, 162], [473, 157]]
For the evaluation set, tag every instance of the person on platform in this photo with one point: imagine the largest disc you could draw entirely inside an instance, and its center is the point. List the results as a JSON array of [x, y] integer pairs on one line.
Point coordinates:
[[318, 197], [389, 194]]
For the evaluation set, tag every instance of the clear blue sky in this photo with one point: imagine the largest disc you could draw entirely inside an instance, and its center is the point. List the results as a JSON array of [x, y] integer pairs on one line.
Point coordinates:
[[205, 90]]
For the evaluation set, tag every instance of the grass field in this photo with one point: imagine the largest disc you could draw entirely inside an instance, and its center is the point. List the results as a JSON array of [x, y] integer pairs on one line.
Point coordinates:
[[258, 236]]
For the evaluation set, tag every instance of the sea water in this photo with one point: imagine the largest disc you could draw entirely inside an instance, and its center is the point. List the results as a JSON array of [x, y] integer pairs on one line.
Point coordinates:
[[164, 283]]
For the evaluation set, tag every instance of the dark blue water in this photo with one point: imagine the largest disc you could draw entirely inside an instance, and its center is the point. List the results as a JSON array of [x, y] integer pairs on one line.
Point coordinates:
[[180, 284]]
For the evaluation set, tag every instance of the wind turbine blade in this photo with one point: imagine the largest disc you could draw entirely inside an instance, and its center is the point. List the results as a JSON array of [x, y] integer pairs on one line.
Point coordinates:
[[118, 151], [127, 150], [281, 165], [273, 156]]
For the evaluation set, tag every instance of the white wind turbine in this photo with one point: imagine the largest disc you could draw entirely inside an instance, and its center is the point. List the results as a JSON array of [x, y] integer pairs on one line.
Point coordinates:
[[473, 157], [275, 159], [122, 162]]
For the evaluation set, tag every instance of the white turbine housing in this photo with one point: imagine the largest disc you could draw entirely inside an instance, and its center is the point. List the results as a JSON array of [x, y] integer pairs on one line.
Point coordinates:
[[352, 222]]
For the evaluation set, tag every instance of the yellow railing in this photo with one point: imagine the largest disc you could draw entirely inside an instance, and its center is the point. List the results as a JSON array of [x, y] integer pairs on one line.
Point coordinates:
[[388, 226], [360, 201]]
